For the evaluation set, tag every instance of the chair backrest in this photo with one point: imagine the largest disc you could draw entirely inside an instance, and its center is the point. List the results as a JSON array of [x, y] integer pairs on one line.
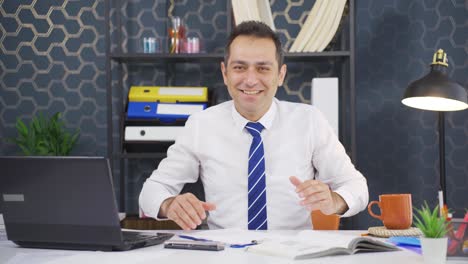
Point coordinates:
[[321, 221]]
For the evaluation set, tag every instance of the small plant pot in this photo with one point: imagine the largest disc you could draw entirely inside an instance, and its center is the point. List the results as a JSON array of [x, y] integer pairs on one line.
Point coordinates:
[[434, 250]]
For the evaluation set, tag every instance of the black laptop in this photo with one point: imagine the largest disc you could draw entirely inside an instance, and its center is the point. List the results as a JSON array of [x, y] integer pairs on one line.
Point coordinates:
[[64, 203]]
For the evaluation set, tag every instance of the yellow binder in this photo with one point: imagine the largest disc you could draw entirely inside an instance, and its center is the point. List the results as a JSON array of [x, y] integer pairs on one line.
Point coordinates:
[[168, 94]]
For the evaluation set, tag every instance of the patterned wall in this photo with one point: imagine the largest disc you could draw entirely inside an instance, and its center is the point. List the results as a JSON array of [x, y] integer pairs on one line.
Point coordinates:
[[52, 58], [398, 145]]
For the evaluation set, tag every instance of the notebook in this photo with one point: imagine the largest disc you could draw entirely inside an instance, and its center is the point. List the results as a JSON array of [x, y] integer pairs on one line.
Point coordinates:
[[64, 203]]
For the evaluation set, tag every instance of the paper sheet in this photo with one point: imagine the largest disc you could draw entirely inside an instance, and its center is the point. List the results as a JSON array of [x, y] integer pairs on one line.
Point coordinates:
[[325, 238], [235, 236], [3, 236]]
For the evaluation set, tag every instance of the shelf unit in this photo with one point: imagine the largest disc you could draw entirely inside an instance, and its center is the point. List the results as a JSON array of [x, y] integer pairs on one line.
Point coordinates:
[[343, 58], [213, 57]]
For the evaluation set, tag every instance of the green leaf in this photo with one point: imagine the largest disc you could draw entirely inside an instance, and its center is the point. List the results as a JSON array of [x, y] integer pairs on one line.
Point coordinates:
[[22, 128], [429, 222], [44, 136]]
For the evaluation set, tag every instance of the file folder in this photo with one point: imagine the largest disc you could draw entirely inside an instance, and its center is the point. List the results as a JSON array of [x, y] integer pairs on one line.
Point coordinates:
[[152, 133], [168, 94], [164, 112]]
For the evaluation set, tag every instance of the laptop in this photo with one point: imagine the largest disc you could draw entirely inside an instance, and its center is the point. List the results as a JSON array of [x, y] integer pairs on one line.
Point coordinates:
[[64, 203]]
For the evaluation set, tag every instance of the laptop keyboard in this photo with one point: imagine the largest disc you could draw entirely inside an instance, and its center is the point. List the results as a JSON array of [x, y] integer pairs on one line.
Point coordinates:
[[137, 237]]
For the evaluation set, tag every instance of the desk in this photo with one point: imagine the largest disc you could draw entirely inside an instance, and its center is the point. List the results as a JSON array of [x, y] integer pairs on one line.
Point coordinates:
[[12, 254]]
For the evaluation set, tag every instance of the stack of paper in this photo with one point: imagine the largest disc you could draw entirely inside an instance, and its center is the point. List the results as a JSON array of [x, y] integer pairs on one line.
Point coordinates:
[[258, 10], [320, 26]]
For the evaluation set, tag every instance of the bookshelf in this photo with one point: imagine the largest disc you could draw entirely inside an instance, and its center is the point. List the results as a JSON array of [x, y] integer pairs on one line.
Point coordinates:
[[341, 56]]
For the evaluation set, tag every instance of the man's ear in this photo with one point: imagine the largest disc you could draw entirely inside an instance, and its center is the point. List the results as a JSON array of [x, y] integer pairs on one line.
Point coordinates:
[[282, 74], [224, 72]]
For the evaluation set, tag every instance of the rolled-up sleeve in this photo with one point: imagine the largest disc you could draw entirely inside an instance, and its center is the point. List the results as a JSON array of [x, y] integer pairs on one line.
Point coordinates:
[[334, 167], [179, 167]]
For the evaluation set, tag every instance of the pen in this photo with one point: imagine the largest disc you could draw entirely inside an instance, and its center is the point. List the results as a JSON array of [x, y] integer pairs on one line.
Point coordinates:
[[253, 242], [195, 238]]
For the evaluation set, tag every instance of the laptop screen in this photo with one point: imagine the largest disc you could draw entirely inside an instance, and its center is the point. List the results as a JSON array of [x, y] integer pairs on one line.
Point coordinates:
[[59, 199]]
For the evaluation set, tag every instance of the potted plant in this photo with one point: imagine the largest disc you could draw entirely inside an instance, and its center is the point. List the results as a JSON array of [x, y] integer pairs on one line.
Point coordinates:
[[44, 137], [434, 228]]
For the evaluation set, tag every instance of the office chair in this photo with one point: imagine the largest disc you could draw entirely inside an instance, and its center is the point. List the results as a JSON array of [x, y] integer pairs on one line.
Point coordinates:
[[321, 221]]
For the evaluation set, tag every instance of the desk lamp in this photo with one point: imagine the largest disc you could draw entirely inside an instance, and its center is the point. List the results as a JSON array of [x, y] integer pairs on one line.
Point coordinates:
[[436, 92]]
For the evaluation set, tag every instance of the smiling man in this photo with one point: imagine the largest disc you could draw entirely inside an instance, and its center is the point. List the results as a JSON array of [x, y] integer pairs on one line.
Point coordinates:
[[253, 74], [264, 163]]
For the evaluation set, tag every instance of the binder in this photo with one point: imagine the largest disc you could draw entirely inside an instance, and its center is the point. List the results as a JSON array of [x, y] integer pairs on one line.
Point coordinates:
[[168, 94], [152, 133], [164, 112]]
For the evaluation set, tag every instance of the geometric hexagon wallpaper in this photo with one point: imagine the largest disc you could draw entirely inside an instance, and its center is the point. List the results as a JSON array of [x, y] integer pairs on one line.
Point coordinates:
[[398, 145], [52, 59]]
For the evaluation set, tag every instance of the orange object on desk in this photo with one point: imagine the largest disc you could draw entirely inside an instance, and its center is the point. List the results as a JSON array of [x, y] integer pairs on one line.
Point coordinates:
[[321, 221]]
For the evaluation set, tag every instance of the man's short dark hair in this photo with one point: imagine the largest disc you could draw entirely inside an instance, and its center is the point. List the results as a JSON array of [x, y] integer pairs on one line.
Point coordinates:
[[255, 29]]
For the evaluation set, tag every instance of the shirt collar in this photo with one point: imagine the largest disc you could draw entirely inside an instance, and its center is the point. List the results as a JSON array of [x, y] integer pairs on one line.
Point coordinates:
[[266, 120]]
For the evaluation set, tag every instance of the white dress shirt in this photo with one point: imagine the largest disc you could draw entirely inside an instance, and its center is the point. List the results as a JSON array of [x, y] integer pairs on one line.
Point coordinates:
[[214, 145]]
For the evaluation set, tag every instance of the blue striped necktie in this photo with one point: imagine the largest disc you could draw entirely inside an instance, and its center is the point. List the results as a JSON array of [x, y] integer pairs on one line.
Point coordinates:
[[257, 211]]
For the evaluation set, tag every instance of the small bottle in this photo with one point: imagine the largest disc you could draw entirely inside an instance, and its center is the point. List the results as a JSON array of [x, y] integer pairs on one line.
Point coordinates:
[[152, 43], [177, 35], [195, 43], [145, 45], [157, 46]]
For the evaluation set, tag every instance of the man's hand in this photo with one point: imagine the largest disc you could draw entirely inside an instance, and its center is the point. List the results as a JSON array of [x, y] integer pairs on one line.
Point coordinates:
[[316, 195], [186, 210]]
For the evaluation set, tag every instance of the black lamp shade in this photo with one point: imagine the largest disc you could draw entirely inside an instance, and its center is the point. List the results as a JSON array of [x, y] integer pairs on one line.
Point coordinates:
[[436, 92]]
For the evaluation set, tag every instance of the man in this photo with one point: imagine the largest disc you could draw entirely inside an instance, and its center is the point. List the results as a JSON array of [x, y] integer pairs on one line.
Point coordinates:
[[264, 163]]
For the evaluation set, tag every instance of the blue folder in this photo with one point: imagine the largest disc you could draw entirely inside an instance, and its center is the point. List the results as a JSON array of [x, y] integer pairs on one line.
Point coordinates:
[[164, 112]]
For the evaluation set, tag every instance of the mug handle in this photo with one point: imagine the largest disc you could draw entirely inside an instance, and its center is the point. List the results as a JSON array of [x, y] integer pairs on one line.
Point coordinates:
[[369, 208]]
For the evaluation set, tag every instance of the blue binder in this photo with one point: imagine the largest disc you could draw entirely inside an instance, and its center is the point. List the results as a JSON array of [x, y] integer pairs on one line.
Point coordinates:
[[164, 112]]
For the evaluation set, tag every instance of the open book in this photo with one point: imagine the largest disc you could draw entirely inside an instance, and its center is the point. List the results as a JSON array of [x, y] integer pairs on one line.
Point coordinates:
[[300, 249]]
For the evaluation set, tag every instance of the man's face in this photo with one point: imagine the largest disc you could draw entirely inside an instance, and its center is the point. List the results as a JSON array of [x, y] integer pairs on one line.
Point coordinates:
[[251, 75]]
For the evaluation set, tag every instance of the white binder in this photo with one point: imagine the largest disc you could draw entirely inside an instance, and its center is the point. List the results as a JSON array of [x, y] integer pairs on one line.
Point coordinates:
[[152, 133]]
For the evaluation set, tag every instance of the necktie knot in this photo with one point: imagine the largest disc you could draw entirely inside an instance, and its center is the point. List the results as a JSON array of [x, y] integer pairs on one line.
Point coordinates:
[[254, 128]]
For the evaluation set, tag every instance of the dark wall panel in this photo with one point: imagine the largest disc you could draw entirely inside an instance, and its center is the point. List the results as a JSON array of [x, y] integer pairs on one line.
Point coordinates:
[[398, 145]]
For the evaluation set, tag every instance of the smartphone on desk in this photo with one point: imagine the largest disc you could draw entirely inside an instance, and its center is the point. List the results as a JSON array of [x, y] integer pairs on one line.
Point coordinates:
[[194, 245]]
